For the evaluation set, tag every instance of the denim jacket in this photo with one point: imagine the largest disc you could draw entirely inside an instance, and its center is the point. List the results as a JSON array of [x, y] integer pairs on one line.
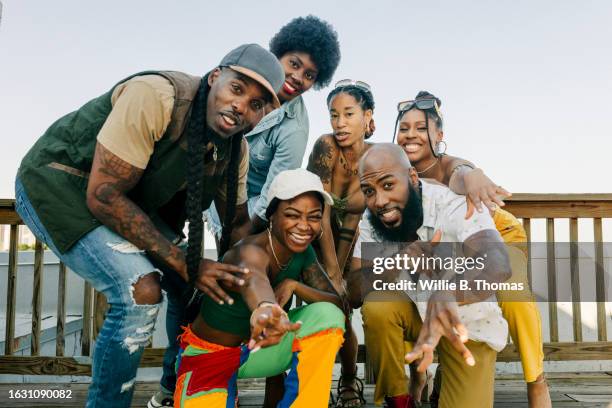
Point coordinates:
[[277, 143]]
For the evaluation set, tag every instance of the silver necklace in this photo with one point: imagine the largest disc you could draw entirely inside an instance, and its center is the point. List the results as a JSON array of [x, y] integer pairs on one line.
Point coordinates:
[[280, 266]]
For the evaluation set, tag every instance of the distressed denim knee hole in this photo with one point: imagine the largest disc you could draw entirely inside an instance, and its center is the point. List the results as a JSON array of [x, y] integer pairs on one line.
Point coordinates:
[[146, 290]]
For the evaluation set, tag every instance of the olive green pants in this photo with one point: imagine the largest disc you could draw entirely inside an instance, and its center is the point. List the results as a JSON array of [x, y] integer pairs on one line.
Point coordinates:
[[394, 320]]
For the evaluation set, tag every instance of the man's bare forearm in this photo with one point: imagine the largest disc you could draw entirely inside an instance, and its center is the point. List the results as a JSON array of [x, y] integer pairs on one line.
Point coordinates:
[[123, 216], [486, 245], [111, 178]]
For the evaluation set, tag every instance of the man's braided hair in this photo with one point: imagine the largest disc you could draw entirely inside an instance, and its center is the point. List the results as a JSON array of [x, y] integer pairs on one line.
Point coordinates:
[[196, 142], [231, 195]]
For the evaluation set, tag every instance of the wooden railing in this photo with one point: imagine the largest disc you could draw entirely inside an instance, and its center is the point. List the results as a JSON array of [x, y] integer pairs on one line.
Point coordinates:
[[573, 207], [524, 206]]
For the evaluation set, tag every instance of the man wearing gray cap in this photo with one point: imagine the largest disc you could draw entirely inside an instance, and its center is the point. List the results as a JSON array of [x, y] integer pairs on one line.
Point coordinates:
[[109, 187]]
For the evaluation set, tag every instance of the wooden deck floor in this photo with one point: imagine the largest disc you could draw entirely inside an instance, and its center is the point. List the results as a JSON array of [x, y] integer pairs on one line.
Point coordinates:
[[567, 390]]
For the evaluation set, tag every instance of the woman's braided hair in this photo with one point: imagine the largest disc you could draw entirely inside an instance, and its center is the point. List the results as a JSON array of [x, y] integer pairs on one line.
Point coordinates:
[[364, 98], [431, 113]]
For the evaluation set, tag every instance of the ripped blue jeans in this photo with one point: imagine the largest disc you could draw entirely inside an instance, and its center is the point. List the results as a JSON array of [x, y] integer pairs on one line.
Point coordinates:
[[111, 265]]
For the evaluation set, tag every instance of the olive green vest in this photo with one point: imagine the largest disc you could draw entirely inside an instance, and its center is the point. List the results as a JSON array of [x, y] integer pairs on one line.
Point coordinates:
[[55, 171]]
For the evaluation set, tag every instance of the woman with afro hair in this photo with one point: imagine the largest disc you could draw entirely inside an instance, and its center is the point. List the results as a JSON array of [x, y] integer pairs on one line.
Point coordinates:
[[309, 52]]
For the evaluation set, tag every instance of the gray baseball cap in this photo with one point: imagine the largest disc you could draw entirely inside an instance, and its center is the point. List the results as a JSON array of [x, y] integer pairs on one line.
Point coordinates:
[[258, 64]]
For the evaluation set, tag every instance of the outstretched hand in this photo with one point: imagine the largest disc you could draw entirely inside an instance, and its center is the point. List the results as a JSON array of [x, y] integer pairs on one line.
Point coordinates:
[[481, 190], [269, 324], [441, 319]]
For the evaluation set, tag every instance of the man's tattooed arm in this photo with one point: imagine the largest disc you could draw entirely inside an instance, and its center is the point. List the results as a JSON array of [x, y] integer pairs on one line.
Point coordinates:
[[110, 179]]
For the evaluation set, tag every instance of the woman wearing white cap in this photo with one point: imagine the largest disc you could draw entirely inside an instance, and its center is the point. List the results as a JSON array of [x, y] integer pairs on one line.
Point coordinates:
[[257, 335]]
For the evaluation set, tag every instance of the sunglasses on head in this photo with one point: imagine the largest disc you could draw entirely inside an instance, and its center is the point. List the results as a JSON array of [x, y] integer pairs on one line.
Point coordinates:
[[421, 104], [350, 82]]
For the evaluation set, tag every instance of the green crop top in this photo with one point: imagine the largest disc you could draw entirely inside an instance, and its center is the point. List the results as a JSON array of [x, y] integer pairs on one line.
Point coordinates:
[[235, 319]]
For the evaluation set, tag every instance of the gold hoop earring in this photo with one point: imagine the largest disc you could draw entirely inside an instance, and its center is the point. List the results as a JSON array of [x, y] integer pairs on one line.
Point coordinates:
[[321, 234]]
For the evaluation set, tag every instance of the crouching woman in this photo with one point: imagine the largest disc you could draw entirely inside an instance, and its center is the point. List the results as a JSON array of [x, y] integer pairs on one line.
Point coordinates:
[[257, 334]]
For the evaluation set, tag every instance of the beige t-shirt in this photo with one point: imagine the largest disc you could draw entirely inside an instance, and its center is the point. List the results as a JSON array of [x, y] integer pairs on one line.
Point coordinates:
[[142, 109]]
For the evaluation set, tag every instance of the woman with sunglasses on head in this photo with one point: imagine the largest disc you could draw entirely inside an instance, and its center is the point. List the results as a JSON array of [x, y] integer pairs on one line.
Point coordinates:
[[258, 335], [427, 153], [335, 159], [421, 135]]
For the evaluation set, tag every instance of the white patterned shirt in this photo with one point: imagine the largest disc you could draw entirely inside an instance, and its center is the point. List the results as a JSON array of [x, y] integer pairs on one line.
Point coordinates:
[[445, 211]]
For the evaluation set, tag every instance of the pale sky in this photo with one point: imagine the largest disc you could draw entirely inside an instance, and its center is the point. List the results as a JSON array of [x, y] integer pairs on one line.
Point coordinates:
[[526, 86]]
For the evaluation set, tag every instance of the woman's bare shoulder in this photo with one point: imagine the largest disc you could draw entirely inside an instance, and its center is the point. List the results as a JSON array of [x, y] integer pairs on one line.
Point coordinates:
[[249, 251], [326, 144], [323, 157]]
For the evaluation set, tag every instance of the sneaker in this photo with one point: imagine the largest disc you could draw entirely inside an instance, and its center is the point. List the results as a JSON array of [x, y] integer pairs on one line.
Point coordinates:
[[161, 399]]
